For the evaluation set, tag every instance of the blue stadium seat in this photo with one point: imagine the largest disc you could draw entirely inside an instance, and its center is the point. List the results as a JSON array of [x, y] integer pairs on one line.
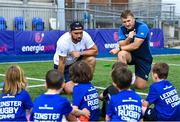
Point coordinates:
[[37, 24], [3, 25], [19, 23]]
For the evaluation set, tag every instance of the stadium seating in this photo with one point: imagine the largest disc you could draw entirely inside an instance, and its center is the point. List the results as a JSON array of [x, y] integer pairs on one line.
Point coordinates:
[[52, 23], [19, 23], [3, 25], [37, 24]]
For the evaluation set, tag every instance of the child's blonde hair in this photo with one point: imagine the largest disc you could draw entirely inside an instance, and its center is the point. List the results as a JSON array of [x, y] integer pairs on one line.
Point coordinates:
[[15, 80]]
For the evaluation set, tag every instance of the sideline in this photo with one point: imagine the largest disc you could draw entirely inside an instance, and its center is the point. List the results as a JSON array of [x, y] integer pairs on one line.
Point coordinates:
[[99, 59]]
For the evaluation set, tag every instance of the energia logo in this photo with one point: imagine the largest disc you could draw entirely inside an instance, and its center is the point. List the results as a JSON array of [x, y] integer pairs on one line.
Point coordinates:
[[113, 44], [34, 48]]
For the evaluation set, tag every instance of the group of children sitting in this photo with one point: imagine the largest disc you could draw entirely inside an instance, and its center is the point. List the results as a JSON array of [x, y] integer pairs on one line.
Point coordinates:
[[124, 104]]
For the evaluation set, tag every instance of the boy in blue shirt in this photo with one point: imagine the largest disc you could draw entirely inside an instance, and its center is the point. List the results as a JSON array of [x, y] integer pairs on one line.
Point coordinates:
[[109, 91], [50, 106], [163, 95], [125, 105], [84, 93]]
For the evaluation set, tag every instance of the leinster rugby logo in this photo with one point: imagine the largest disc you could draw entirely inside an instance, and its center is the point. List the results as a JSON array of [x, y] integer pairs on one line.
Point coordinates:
[[39, 37]]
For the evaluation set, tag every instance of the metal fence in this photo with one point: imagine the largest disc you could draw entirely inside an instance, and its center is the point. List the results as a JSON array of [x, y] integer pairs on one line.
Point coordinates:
[[93, 16]]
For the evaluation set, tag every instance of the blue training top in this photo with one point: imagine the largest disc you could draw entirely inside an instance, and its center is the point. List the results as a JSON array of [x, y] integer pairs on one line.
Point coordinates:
[[142, 31], [13, 108], [50, 107], [85, 96], [165, 99], [125, 106]]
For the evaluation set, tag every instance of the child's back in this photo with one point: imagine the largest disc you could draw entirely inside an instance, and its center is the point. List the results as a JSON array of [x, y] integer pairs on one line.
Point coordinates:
[[84, 93], [14, 107], [125, 106], [50, 107], [16, 101], [167, 100], [163, 95], [85, 96]]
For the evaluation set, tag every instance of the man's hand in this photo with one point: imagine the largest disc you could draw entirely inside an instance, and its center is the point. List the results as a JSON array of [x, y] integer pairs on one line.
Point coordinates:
[[75, 54], [131, 34], [114, 51]]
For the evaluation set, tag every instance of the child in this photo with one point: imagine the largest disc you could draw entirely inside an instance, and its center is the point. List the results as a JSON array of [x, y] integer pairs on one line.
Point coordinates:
[[125, 105], [109, 91], [163, 95], [50, 106], [15, 99], [84, 93]]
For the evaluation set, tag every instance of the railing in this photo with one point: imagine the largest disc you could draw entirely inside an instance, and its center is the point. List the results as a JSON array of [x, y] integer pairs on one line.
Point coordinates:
[[105, 15]]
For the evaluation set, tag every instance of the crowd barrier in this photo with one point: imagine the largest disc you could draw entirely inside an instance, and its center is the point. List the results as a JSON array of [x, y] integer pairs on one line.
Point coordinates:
[[21, 44]]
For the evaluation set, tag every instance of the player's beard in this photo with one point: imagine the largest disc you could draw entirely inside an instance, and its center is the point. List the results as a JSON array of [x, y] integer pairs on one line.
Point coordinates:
[[77, 40]]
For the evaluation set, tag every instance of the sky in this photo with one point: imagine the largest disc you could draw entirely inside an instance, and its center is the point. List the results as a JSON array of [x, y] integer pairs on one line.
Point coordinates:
[[177, 2]]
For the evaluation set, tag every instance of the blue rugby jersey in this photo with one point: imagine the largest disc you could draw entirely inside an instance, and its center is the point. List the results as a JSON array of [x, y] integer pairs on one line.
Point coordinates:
[[13, 108], [165, 98], [125, 106], [142, 31], [50, 107], [85, 96]]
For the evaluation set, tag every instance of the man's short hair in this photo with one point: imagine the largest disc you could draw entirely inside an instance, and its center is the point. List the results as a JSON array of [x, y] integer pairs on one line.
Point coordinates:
[[126, 13], [54, 79], [76, 25]]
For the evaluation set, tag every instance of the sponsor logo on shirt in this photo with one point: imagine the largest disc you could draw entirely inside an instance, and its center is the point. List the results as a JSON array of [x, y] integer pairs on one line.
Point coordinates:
[[129, 100], [46, 107]]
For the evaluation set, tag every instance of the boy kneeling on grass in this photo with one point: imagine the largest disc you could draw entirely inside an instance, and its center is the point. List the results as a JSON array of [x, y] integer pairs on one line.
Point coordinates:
[[51, 106]]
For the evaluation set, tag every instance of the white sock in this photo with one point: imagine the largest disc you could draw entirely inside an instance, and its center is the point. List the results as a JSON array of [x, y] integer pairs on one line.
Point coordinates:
[[133, 78]]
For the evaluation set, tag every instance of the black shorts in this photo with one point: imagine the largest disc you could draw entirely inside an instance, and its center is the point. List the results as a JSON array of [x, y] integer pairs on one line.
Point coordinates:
[[66, 72], [142, 68], [150, 115]]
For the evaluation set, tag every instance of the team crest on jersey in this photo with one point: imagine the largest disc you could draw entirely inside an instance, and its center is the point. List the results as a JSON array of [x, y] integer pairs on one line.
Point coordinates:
[[142, 33]]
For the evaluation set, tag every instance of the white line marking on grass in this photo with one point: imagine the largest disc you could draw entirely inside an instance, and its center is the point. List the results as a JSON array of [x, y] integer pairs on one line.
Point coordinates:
[[100, 59], [28, 78], [109, 60], [40, 85], [23, 62], [33, 86]]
